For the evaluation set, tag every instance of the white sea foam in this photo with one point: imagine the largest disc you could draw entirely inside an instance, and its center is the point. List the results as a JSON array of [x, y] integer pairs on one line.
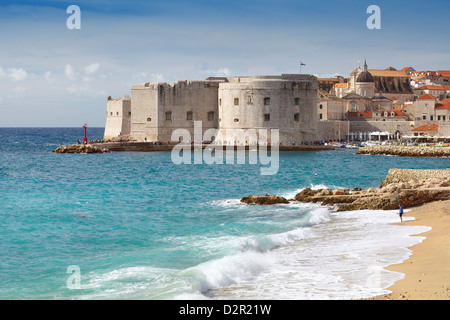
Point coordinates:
[[290, 194], [343, 258], [322, 255]]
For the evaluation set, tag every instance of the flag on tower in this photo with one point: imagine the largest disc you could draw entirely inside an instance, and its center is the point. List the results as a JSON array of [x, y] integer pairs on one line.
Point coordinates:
[[302, 64]]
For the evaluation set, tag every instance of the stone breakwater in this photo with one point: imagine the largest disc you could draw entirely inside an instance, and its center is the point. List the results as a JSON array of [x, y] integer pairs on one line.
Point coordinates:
[[80, 148], [404, 151], [407, 188]]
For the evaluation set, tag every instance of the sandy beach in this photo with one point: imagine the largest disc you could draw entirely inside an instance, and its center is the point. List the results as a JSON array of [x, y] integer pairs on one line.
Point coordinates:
[[427, 270]]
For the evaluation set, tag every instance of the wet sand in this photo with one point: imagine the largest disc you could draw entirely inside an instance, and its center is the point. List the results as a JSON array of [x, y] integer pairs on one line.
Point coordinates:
[[427, 270]]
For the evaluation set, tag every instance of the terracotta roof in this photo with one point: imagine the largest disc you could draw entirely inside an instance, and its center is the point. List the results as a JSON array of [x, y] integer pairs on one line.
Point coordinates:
[[424, 73], [341, 85], [397, 113], [443, 105], [427, 127], [431, 87], [427, 97], [328, 79], [387, 73], [444, 73]]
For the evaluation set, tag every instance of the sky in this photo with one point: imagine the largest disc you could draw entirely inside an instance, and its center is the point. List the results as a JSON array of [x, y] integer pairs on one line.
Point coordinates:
[[53, 76]]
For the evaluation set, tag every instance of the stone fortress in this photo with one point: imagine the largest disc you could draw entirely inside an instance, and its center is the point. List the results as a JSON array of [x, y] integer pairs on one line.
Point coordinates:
[[286, 102], [302, 107]]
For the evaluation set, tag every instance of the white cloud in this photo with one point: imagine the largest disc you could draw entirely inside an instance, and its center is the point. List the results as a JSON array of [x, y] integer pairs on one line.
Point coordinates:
[[17, 74], [2, 72], [48, 75], [92, 68], [70, 72], [148, 77]]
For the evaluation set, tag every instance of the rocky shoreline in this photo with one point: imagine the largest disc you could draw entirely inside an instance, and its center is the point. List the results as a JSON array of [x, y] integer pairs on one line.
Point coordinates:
[[406, 151], [407, 188], [80, 148]]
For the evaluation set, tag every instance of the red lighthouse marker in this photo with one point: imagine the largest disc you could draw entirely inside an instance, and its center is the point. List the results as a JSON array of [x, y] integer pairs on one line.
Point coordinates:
[[85, 137]]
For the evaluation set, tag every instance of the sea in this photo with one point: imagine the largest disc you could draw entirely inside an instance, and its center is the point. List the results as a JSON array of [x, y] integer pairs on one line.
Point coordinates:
[[136, 226]]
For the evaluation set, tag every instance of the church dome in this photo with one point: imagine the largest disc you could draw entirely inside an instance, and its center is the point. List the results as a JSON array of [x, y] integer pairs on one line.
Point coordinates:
[[365, 76]]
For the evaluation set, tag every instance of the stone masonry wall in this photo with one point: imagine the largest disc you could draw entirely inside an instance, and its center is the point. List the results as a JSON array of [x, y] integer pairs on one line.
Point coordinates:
[[407, 175]]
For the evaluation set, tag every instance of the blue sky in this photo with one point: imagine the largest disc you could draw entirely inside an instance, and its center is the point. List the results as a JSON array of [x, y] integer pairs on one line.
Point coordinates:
[[53, 76]]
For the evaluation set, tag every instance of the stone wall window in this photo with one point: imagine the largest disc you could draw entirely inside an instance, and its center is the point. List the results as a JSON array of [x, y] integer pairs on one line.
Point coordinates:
[[220, 102], [149, 119], [168, 116], [236, 101], [320, 116], [321, 107], [211, 116], [297, 117], [236, 120], [267, 101], [129, 113], [249, 99], [111, 113], [267, 117], [297, 101], [189, 116], [117, 113]]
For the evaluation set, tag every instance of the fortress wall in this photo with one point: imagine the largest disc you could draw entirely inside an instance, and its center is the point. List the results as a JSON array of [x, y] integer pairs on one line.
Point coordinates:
[[118, 118], [144, 111], [200, 98], [332, 130], [270, 102], [404, 127], [336, 130], [407, 175]]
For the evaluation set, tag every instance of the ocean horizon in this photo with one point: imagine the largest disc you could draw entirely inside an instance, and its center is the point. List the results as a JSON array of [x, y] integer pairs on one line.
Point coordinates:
[[134, 225]]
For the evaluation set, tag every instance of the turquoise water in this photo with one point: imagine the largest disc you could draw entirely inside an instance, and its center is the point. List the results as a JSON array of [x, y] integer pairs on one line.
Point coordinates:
[[140, 227]]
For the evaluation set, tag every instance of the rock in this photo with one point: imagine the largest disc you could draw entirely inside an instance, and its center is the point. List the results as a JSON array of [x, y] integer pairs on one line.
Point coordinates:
[[80, 148], [325, 192], [264, 200], [393, 192], [404, 151], [306, 195], [341, 192], [398, 189]]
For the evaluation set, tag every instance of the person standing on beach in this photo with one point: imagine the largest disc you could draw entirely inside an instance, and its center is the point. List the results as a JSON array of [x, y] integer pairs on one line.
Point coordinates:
[[400, 212]]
